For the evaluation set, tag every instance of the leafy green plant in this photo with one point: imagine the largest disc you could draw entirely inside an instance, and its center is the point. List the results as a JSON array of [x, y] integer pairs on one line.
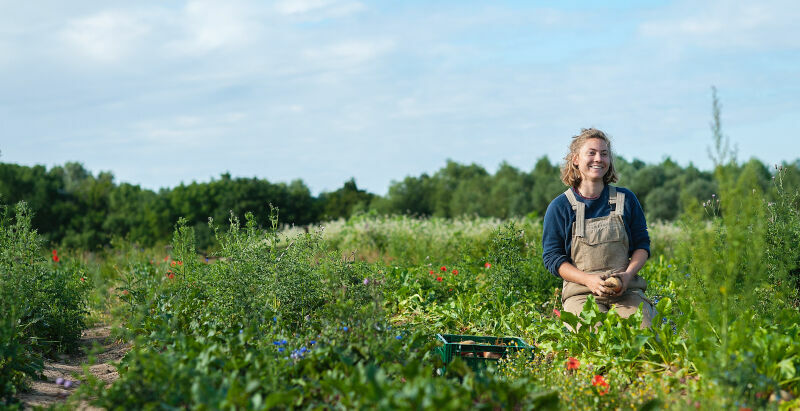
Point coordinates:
[[42, 303]]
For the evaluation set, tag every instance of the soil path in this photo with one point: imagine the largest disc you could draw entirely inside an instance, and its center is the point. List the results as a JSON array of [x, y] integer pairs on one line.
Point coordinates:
[[46, 392]]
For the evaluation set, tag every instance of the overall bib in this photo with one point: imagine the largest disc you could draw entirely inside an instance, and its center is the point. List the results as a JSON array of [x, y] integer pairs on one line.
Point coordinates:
[[600, 246]]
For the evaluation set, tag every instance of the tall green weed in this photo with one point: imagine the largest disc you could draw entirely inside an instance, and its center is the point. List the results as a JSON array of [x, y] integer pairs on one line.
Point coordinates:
[[735, 270]]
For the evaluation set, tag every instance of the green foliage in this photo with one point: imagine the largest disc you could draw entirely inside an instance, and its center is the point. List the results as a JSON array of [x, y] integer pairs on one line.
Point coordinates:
[[345, 201], [518, 269], [782, 253], [297, 318], [329, 343], [42, 303], [18, 358]]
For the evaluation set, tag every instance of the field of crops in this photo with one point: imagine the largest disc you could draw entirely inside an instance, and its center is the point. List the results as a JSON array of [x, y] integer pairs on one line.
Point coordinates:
[[346, 316]]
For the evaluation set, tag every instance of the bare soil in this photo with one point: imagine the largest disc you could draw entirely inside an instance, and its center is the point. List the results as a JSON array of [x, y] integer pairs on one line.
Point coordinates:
[[46, 392]]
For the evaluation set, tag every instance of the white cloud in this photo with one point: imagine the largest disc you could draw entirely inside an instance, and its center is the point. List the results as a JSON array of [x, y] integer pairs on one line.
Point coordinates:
[[319, 9], [106, 36], [349, 53], [186, 129], [727, 25], [208, 26]]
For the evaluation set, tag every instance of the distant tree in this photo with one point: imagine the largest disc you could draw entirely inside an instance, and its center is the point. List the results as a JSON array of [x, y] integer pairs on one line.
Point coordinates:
[[412, 196], [509, 193], [451, 178], [345, 201], [547, 185]]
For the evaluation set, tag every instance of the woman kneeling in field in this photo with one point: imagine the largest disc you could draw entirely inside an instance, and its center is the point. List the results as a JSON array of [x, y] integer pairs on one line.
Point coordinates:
[[595, 233]]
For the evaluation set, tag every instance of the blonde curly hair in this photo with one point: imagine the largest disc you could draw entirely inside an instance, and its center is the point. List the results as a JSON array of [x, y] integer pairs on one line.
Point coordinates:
[[570, 174]]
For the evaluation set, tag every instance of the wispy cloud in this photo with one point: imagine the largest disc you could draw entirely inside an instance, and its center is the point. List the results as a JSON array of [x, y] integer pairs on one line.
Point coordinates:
[[318, 9], [105, 37], [349, 53], [209, 25], [759, 25]]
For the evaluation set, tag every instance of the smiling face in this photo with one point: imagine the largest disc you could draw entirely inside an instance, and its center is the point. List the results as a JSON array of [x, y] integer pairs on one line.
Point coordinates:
[[593, 160]]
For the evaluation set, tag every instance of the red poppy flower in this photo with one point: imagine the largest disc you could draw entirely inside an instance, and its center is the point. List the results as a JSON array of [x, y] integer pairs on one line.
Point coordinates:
[[180, 262], [55, 252], [432, 273], [55, 258], [171, 276], [173, 263], [556, 312], [455, 272], [487, 265], [439, 279], [166, 258], [573, 363], [83, 279], [599, 381], [443, 268]]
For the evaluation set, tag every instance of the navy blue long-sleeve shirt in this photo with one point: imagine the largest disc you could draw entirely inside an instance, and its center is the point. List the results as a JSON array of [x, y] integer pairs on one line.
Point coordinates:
[[558, 220]]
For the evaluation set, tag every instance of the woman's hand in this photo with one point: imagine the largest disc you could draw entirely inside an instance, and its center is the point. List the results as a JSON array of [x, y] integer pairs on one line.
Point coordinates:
[[595, 282], [638, 259], [597, 285], [624, 278]]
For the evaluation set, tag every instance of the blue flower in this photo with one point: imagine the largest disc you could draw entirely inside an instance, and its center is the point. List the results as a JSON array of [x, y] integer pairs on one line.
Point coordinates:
[[399, 337], [241, 331], [669, 265], [345, 328], [312, 342], [281, 349]]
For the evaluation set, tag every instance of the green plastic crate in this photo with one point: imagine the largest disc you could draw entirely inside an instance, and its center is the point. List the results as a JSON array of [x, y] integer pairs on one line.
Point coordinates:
[[473, 354]]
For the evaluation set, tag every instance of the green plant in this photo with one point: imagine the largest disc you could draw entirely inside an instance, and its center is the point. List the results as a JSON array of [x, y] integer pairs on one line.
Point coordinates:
[[42, 303]]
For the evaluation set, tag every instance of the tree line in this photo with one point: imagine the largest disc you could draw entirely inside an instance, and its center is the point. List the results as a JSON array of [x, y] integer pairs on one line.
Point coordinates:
[[75, 208]]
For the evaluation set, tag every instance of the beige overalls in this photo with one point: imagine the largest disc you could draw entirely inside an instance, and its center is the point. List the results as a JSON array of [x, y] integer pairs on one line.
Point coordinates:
[[600, 246]]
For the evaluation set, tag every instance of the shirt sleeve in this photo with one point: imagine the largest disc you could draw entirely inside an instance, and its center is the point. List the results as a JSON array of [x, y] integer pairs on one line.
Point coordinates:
[[639, 237], [554, 234]]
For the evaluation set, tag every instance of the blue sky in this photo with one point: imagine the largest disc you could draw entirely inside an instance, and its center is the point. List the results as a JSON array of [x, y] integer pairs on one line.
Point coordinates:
[[325, 90]]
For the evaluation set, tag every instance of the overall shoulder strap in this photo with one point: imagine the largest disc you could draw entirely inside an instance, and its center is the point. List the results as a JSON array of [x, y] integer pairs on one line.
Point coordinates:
[[580, 213], [616, 198]]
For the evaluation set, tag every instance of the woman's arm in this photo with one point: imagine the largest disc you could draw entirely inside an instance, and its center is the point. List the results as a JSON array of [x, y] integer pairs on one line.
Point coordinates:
[[638, 259], [554, 233]]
